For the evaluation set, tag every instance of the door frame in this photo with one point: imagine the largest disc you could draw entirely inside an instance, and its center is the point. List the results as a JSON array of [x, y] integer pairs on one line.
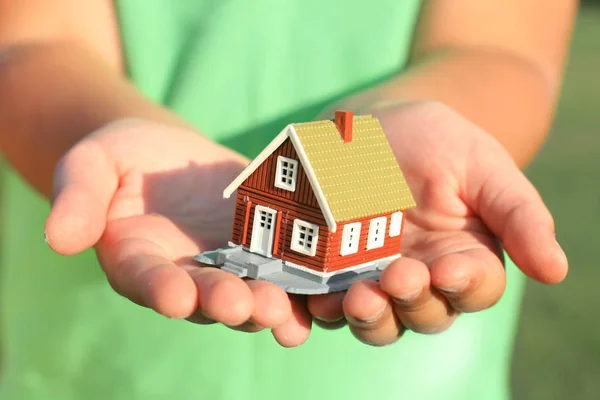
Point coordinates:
[[255, 247]]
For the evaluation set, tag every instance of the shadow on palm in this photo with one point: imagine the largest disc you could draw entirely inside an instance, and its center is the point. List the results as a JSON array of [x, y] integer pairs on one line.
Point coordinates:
[[148, 257], [192, 199]]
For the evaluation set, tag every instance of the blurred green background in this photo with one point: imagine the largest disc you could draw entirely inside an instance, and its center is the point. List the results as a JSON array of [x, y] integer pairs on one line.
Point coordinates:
[[557, 355]]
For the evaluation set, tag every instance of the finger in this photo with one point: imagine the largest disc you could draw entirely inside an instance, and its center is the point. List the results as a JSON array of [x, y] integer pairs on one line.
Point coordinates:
[[272, 306], [124, 249], [472, 280], [418, 307], [330, 325], [512, 208], [265, 298], [85, 182], [222, 296], [140, 270], [369, 314], [295, 330], [248, 327], [198, 318], [327, 309]]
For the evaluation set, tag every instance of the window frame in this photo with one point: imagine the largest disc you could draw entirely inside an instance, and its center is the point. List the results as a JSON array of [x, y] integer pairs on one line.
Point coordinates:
[[373, 241], [396, 224], [293, 166], [350, 238], [296, 231]]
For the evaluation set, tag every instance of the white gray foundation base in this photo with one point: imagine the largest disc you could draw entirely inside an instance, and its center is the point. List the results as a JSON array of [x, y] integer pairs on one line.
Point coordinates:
[[239, 261]]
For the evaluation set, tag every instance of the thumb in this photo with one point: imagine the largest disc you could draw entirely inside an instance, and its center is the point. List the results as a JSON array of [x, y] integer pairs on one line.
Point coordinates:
[[513, 209], [85, 181]]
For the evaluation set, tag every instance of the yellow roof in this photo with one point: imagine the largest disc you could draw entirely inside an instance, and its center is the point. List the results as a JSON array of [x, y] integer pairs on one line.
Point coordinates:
[[360, 178]]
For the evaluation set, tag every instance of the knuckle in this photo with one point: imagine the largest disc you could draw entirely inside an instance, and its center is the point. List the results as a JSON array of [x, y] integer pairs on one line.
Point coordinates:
[[430, 327], [476, 302], [490, 300], [411, 306]]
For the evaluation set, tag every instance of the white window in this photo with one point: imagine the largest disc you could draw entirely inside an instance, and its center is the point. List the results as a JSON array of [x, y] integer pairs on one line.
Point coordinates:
[[376, 233], [287, 172], [396, 224], [304, 237], [350, 237]]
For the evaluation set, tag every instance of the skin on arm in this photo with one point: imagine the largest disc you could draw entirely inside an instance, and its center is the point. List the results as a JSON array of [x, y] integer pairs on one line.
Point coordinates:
[[63, 87], [61, 75], [499, 65]]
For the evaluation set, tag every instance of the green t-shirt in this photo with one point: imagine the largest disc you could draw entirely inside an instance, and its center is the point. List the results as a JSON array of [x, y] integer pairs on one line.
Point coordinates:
[[239, 70]]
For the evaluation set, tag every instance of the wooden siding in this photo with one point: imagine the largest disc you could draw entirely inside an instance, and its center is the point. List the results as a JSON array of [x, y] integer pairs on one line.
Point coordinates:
[[263, 178], [328, 258], [391, 245], [289, 211]]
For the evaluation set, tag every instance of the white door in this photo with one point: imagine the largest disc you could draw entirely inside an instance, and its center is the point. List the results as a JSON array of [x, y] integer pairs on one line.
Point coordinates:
[[263, 228]]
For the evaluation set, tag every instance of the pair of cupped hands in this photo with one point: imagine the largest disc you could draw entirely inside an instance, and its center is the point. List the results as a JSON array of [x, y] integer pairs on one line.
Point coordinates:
[[148, 197]]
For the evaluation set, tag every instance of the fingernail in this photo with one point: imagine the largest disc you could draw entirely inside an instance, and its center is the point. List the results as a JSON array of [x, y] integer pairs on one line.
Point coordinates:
[[365, 321], [562, 252], [457, 287], [409, 296]]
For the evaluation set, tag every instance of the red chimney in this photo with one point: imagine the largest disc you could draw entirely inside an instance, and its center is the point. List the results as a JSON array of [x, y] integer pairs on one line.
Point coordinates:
[[343, 121]]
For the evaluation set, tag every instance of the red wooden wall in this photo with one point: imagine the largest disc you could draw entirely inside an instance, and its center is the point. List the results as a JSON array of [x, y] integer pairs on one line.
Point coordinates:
[[263, 178], [289, 211], [391, 246]]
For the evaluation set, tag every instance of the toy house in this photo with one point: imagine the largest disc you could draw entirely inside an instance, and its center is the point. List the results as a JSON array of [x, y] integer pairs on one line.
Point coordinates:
[[321, 206]]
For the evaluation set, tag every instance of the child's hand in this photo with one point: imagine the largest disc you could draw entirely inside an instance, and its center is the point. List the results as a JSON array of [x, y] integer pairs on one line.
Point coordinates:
[[149, 197], [469, 192]]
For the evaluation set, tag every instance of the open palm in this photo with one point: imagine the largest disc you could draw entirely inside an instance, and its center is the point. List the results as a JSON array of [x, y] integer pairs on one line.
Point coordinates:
[[149, 197], [472, 201]]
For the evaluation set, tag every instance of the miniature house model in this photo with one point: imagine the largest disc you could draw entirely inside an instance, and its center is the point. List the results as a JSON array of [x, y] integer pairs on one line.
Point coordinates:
[[321, 206]]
